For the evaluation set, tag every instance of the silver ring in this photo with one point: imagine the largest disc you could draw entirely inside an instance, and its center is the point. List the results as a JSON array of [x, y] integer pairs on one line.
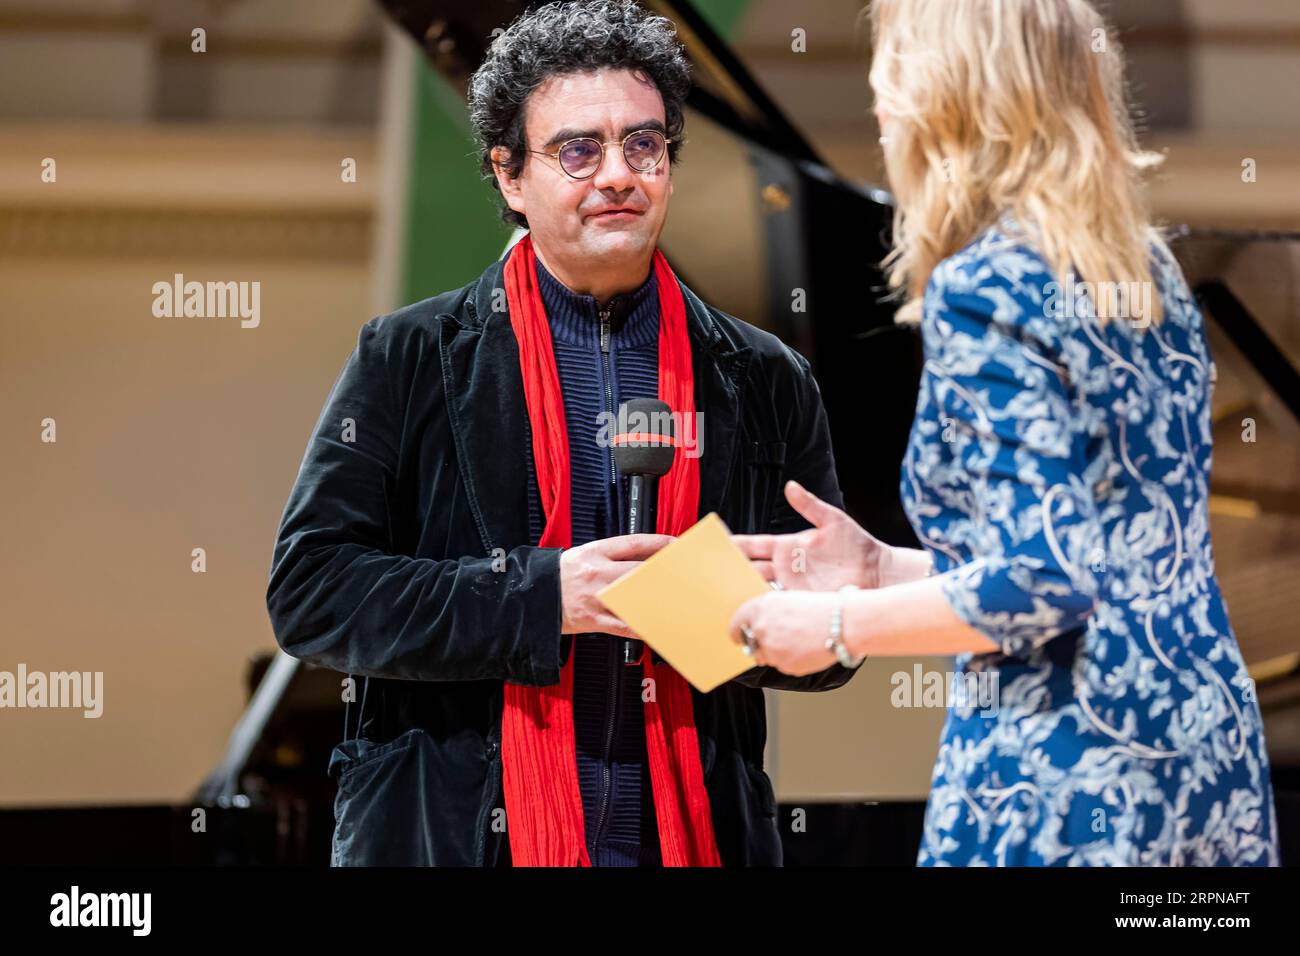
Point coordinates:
[[751, 645], [776, 585]]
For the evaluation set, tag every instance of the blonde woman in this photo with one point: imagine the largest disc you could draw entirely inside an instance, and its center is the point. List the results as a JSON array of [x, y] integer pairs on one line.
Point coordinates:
[[1057, 472]]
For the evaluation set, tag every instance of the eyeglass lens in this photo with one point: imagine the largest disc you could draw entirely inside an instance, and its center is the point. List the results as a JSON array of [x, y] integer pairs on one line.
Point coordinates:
[[581, 157]]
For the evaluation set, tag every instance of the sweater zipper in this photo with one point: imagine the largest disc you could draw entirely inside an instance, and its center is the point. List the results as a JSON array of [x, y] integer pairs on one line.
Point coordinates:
[[609, 388], [615, 673], [615, 699]]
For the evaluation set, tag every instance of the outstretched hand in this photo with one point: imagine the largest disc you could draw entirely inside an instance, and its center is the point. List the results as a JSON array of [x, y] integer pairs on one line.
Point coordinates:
[[834, 552]]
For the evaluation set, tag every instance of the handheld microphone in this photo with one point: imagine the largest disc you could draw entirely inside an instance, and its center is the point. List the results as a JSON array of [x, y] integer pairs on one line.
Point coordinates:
[[644, 449]]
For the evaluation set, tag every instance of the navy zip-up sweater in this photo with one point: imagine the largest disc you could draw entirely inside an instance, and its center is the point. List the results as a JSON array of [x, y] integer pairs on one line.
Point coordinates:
[[609, 720]]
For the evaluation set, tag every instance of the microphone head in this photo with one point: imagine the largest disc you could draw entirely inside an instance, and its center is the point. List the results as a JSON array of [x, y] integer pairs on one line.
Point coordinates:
[[645, 442]]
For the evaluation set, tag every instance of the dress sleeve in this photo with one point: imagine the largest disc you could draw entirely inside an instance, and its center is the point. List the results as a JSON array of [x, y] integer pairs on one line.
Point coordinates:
[[1015, 464]]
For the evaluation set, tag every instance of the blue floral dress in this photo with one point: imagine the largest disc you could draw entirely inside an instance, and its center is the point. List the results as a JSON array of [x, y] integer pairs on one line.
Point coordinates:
[[1058, 472]]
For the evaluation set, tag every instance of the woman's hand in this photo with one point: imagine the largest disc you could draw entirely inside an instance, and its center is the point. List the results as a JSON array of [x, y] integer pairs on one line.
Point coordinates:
[[789, 630], [834, 552]]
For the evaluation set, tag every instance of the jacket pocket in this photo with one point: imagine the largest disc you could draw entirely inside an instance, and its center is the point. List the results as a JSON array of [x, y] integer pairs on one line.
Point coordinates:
[[395, 804], [764, 466]]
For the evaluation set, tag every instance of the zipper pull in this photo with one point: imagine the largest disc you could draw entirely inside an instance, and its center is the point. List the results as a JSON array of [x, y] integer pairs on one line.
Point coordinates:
[[604, 330]]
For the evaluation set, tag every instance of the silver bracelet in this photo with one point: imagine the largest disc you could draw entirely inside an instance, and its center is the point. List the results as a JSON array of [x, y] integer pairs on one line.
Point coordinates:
[[835, 643]]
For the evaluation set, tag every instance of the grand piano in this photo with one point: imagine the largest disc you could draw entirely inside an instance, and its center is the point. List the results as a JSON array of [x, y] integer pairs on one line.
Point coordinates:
[[792, 223]]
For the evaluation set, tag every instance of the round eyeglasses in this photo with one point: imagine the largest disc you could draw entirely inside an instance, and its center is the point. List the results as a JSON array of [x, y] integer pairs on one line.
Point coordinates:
[[581, 157]]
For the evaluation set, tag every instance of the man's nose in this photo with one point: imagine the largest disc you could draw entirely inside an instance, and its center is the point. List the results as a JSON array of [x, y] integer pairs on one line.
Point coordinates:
[[614, 173]]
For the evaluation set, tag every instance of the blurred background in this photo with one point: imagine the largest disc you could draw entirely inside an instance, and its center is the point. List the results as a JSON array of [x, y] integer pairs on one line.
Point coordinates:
[[224, 154]]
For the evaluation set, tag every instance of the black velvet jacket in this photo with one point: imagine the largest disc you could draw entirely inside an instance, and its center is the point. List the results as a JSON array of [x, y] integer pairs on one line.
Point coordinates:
[[404, 555]]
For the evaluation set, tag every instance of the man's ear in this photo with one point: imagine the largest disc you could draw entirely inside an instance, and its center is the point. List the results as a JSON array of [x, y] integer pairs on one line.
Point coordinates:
[[509, 185]]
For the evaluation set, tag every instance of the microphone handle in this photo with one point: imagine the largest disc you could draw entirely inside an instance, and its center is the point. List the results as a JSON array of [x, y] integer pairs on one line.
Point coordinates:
[[641, 501]]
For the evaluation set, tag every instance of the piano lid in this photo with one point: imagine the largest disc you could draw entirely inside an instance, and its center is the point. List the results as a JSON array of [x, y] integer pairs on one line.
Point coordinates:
[[455, 35]]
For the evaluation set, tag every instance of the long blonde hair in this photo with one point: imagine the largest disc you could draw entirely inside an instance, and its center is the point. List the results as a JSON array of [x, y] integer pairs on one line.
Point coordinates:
[[1009, 106]]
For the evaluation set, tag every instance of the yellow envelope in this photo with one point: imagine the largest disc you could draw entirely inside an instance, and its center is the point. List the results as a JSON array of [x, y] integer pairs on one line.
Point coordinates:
[[681, 599]]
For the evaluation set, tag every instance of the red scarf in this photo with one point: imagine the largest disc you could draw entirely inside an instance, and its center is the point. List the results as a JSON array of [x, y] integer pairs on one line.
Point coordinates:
[[539, 763]]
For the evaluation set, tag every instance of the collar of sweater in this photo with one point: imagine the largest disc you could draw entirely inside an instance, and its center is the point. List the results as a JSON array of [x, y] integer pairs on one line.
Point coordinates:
[[575, 318]]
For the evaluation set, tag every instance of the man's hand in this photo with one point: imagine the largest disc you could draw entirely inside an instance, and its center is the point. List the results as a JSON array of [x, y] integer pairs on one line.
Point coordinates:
[[836, 551], [586, 569]]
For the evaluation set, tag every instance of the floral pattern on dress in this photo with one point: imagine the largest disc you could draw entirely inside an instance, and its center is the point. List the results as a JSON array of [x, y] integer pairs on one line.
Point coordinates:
[[1058, 471]]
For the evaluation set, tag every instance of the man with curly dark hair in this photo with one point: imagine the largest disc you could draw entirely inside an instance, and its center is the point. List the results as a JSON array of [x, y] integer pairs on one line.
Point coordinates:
[[450, 548]]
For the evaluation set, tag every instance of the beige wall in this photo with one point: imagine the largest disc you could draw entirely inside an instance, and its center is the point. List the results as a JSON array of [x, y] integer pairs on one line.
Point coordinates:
[[172, 434], [852, 743]]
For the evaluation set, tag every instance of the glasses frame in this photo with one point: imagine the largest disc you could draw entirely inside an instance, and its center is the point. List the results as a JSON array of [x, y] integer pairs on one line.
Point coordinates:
[[622, 148]]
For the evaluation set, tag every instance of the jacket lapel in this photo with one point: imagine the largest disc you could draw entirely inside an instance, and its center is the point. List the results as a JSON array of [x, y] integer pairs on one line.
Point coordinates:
[[489, 419], [720, 373]]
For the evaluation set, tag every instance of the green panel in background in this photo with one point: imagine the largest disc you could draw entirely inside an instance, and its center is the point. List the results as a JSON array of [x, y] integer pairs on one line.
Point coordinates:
[[722, 15], [453, 229]]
